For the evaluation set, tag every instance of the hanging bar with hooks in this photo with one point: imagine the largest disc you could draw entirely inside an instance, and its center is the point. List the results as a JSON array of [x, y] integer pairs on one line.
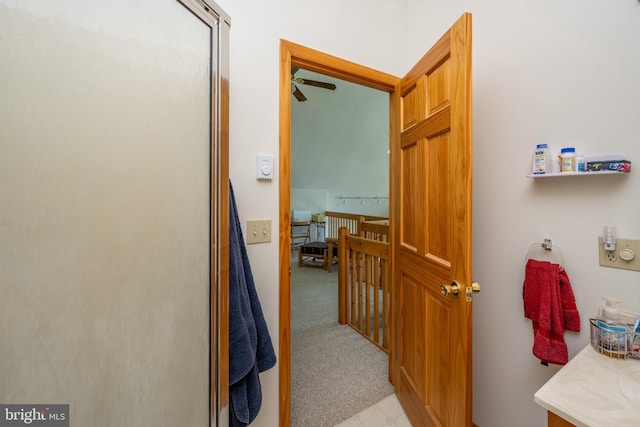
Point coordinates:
[[362, 199]]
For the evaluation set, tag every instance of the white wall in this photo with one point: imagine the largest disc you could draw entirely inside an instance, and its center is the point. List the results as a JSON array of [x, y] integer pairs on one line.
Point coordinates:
[[331, 132], [564, 73], [363, 31]]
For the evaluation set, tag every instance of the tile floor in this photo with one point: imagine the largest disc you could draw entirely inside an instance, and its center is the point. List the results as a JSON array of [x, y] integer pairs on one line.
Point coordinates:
[[387, 412]]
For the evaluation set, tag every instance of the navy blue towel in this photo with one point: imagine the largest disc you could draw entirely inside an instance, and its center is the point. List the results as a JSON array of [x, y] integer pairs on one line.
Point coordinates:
[[250, 347]]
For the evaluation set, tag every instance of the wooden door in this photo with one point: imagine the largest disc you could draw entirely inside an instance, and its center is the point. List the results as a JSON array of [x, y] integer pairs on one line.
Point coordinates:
[[431, 243]]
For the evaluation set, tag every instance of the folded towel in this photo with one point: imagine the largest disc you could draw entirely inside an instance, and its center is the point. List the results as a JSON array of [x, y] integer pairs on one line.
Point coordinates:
[[550, 304], [250, 347]]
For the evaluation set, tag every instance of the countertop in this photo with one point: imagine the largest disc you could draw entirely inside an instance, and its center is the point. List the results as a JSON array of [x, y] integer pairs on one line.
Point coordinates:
[[594, 390]]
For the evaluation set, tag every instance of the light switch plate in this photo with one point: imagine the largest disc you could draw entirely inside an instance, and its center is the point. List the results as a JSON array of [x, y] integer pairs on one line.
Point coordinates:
[[258, 231], [625, 248]]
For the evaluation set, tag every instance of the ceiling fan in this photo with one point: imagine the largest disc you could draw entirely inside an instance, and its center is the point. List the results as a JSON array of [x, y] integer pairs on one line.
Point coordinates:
[[298, 93]]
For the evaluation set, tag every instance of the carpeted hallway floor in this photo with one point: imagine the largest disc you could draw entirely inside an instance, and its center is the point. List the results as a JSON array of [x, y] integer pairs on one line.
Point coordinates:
[[335, 372]]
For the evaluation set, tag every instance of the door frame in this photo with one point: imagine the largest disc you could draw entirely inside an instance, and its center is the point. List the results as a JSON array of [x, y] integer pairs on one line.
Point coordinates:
[[219, 23], [292, 54]]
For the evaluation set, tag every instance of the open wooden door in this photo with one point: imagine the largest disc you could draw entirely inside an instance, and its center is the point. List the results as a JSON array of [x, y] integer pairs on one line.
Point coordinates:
[[431, 242]]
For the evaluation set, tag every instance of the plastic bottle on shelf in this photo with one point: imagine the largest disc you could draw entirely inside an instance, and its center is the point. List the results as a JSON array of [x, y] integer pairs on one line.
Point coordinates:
[[568, 155], [581, 165], [555, 163], [541, 159]]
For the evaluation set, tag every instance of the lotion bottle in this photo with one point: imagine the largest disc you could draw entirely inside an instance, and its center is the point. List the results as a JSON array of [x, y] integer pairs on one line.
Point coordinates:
[[612, 333], [541, 160], [609, 310]]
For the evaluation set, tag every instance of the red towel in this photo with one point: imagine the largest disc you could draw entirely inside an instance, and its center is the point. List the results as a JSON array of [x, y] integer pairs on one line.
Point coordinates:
[[569, 310], [550, 304]]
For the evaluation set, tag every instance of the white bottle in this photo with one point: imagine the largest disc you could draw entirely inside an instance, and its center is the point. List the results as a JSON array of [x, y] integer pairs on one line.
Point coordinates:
[[609, 310], [541, 160], [568, 155], [555, 163], [612, 333]]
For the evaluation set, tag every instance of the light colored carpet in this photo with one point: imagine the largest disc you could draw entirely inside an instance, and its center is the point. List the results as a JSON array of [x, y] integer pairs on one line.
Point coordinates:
[[335, 372]]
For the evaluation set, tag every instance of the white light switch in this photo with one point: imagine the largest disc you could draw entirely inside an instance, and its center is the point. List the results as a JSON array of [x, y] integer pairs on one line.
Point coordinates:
[[264, 167]]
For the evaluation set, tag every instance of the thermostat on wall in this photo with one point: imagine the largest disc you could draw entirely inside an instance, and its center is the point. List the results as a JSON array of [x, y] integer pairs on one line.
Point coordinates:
[[265, 167]]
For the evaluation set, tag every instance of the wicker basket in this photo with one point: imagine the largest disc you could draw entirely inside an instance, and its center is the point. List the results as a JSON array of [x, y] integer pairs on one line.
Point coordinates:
[[616, 344]]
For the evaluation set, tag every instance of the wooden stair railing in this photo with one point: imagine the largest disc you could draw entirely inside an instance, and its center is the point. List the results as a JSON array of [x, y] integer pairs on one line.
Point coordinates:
[[337, 220], [363, 287], [374, 230]]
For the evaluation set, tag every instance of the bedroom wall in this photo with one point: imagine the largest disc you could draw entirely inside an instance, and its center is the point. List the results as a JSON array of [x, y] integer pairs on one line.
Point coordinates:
[[564, 73], [369, 32], [330, 133]]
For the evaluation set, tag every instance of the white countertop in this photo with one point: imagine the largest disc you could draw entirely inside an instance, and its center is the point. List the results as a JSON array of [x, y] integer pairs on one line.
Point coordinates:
[[594, 390]]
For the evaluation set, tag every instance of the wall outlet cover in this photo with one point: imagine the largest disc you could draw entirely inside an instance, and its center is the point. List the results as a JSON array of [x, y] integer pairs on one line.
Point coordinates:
[[625, 256]]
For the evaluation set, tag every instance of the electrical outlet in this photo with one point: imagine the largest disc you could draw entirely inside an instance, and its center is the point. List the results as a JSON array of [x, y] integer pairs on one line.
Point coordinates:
[[626, 255], [258, 231]]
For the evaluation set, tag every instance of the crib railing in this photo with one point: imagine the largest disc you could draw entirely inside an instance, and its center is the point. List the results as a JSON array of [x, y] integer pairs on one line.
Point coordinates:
[[363, 286]]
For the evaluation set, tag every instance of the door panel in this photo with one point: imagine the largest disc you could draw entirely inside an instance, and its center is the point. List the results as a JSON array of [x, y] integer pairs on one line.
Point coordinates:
[[412, 196], [439, 343], [431, 219], [438, 206]]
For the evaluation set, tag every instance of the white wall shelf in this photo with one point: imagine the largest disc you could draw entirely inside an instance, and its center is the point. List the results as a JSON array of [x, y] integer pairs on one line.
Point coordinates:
[[565, 174], [611, 157]]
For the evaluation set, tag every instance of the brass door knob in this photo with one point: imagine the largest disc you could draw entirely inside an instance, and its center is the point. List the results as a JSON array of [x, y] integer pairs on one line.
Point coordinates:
[[445, 290], [453, 288]]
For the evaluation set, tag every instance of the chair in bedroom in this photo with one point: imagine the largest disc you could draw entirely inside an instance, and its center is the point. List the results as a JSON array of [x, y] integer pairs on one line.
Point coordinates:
[[300, 228]]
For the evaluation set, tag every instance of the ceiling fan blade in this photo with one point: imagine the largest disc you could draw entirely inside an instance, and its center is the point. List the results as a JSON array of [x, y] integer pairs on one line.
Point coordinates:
[[317, 83], [298, 94]]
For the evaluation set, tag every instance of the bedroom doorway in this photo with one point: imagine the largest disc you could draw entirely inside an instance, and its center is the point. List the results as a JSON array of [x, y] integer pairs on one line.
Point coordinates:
[[339, 152], [293, 55]]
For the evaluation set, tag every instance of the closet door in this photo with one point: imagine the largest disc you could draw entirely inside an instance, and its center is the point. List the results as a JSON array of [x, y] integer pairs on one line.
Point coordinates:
[[109, 200]]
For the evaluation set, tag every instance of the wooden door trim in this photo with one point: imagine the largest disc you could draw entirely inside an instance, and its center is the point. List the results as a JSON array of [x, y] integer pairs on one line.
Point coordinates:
[[292, 54]]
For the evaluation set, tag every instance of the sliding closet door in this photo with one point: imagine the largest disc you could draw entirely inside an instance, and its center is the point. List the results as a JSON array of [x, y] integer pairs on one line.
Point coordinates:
[[106, 222]]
